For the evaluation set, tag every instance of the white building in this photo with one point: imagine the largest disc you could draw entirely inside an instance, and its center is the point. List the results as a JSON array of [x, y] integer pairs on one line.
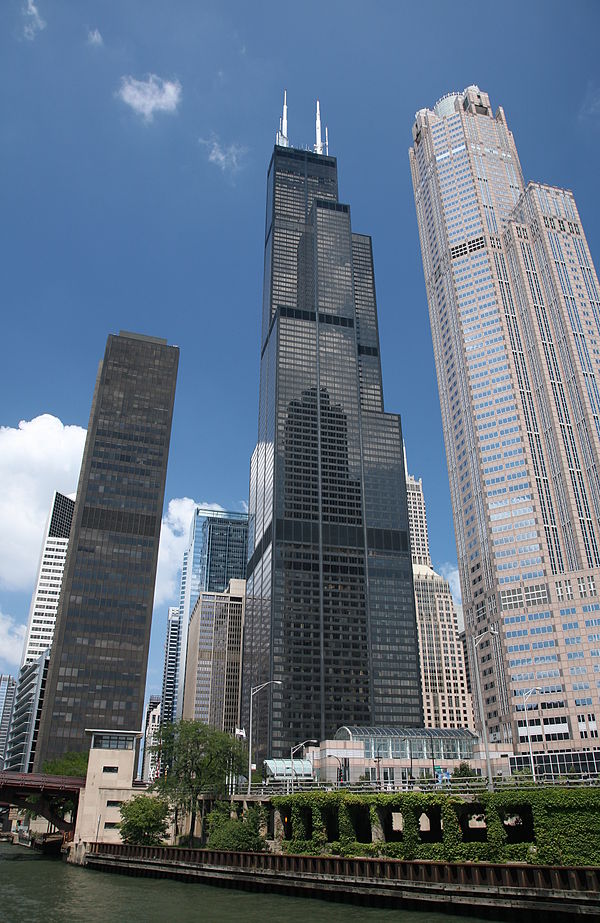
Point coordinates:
[[44, 602], [446, 698], [151, 761], [514, 306]]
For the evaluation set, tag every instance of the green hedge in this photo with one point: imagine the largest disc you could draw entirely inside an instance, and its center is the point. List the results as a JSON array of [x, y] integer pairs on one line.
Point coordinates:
[[560, 826]]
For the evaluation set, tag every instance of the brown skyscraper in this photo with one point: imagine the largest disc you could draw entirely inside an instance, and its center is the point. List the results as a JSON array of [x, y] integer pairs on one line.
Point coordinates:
[[99, 655]]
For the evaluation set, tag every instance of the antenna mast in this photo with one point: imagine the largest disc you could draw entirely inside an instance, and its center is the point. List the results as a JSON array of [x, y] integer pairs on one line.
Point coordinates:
[[318, 148], [281, 137]]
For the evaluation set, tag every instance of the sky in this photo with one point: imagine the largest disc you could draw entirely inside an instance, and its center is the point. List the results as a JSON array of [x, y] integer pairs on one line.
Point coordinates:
[[135, 137]]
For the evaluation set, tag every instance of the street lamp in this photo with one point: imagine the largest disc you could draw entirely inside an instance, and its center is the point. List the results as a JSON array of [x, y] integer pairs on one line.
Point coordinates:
[[341, 779], [409, 742], [430, 735], [526, 696], [295, 750], [253, 691], [475, 639]]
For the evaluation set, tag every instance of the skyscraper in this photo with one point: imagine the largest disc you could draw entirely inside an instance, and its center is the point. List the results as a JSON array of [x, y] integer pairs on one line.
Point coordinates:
[[217, 553], [446, 699], [27, 710], [31, 684], [44, 602], [170, 672], [8, 687], [214, 656], [514, 307], [330, 607], [98, 662], [151, 760]]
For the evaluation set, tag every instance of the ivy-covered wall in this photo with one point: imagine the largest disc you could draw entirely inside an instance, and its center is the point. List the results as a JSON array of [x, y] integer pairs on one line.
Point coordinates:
[[537, 825]]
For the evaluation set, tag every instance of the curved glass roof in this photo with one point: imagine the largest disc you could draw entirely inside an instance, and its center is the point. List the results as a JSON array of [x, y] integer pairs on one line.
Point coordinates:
[[349, 732]]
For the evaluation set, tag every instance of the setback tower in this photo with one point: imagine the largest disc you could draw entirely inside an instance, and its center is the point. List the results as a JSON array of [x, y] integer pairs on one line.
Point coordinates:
[[514, 307], [330, 608]]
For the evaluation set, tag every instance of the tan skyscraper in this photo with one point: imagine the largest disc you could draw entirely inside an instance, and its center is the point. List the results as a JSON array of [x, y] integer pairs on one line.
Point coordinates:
[[214, 655], [515, 317], [446, 700]]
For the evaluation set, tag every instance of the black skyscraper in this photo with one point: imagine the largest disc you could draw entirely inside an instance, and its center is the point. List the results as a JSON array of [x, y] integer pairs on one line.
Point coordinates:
[[97, 669], [330, 606]]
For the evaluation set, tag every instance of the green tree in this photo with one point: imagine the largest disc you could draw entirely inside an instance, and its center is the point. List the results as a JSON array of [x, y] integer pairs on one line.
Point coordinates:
[[196, 760], [463, 771], [69, 764], [239, 834], [144, 820]]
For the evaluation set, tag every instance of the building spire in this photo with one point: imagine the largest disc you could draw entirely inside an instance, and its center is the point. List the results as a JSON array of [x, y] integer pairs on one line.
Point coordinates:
[[281, 137], [318, 148]]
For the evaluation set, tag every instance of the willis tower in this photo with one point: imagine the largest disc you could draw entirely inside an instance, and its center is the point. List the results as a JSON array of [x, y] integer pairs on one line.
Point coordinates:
[[330, 605]]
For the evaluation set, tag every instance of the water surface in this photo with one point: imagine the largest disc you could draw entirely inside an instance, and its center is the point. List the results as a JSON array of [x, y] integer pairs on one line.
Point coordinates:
[[34, 889]]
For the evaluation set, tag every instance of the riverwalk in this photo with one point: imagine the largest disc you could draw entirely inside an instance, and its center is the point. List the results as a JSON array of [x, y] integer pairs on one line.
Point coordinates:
[[500, 891]]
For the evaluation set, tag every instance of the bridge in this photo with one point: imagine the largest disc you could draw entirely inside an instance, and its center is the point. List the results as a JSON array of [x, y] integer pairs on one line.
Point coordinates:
[[49, 796]]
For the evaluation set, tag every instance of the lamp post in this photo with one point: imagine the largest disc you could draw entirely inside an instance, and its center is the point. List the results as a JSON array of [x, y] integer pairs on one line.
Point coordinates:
[[430, 735], [409, 742], [295, 750], [475, 640], [526, 696], [253, 691], [340, 765]]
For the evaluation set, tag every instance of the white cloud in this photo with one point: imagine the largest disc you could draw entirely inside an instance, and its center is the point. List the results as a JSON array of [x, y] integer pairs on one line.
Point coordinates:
[[150, 95], [174, 537], [590, 105], [94, 37], [229, 159], [451, 574], [36, 458], [33, 21], [12, 637]]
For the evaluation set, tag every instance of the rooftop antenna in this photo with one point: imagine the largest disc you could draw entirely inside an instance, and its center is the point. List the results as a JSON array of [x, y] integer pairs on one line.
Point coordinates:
[[281, 138], [318, 148], [326, 141]]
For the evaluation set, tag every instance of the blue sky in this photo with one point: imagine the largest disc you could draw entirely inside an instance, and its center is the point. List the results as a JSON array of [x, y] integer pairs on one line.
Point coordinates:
[[134, 142]]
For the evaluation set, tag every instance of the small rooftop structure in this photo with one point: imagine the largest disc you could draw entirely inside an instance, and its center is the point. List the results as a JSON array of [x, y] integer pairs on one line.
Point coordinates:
[[280, 770]]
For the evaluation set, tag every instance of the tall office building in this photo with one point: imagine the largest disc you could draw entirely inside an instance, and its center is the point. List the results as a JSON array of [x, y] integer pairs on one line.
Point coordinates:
[[330, 607], [31, 684], [446, 699], [151, 760], [44, 602], [172, 650], [99, 655], [514, 308], [8, 687], [217, 553], [27, 710], [214, 656]]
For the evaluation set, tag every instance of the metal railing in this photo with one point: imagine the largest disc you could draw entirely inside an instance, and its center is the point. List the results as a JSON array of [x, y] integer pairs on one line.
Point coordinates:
[[461, 786]]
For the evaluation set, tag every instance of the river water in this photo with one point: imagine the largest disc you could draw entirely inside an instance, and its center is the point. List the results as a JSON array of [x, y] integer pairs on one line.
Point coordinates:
[[34, 889]]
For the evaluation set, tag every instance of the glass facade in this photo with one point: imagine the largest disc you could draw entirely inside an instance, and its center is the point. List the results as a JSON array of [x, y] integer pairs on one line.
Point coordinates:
[[217, 553], [97, 669], [330, 608], [514, 305]]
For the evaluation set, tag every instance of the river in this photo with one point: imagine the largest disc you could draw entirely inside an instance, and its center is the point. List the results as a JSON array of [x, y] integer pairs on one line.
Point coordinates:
[[34, 889]]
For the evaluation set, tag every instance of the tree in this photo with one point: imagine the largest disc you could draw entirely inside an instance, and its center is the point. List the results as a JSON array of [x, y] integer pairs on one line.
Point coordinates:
[[239, 834], [195, 759], [144, 820], [463, 771], [69, 764]]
